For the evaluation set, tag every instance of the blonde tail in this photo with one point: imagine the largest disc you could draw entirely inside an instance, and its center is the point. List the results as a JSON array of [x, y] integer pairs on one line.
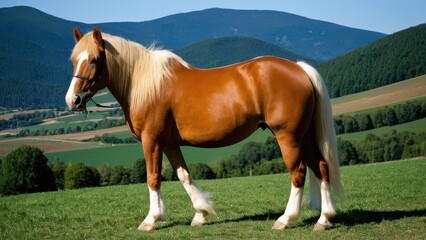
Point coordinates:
[[325, 134]]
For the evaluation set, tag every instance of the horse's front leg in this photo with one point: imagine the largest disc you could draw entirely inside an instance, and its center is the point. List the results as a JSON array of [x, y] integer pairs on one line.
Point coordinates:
[[153, 155], [200, 200]]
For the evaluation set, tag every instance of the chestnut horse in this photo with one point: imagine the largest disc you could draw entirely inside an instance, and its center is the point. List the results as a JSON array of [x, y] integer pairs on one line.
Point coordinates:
[[168, 103]]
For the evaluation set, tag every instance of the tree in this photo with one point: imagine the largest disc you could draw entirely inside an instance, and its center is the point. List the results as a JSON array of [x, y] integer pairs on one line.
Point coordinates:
[[270, 149], [120, 176], [378, 119], [58, 169], [201, 171], [139, 171], [168, 173], [364, 122], [25, 170], [348, 154], [79, 175], [249, 155], [350, 124], [390, 118], [105, 173]]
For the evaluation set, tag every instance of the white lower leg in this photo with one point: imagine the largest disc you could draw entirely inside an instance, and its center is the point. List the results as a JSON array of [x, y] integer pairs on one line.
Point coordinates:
[[327, 208], [156, 210], [200, 200], [292, 211]]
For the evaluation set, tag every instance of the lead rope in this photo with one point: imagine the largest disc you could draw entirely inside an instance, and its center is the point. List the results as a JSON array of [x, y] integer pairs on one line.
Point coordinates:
[[100, 105]]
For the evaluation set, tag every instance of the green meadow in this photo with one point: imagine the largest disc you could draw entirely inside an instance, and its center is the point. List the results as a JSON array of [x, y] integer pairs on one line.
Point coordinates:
[[418, 125], [126, 154], [382, 201]]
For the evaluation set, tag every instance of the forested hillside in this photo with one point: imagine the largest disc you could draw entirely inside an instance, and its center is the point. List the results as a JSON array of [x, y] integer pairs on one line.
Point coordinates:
[[34, 53], [35, 70], [397, 57], [224, 51]]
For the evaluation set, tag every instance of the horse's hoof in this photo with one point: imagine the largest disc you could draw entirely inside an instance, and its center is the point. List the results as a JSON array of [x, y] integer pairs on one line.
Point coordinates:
[[146, 227], [279, 225], [199, 219], [321, 227], [196, 223]]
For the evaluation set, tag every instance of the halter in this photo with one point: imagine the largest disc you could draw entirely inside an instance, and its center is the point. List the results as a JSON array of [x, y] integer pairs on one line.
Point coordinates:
[[87, 96]]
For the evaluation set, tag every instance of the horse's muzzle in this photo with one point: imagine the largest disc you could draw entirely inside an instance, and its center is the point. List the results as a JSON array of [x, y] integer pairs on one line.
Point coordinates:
[[80, 99]]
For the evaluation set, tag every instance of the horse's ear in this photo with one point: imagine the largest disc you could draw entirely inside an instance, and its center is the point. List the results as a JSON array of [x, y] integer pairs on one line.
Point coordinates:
[[77, 34], [97, 36]]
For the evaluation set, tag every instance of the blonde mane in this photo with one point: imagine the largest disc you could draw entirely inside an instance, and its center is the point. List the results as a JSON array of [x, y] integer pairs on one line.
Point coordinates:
[[135, 72]]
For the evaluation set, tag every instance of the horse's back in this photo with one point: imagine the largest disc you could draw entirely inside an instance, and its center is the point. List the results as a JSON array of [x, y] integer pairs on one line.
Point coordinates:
[[221, 106]]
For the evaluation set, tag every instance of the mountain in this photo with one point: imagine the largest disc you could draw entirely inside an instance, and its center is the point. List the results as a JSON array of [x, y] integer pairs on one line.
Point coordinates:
[[394, 58], [224, 51], [313, 39], [34, 47], [34, 53]]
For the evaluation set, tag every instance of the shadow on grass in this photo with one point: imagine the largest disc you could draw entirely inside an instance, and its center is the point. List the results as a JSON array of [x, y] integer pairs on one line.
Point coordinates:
[[349, 218], [359, 216]]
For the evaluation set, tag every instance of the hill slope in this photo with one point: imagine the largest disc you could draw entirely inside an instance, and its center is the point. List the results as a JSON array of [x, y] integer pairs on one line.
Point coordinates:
[[34, 48], [387, 95], [381, 203], [391, 59], [224, 51], [313, 39]]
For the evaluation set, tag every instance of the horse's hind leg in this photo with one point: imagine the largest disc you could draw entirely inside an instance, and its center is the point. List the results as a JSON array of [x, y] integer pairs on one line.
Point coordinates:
[[319, 192], [200, 200], [292, 153]]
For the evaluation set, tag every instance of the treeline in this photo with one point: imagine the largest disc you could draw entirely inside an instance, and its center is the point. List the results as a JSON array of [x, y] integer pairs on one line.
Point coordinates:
[[387, 116], [397, 57], [111, 139], [29, 119], [390, 146], [253, 159], [102, 124], [26, 170], [37, 117]]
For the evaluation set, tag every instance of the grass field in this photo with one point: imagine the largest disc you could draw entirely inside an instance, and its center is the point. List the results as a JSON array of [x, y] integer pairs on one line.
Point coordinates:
[[383, 201], [405, 127], [47, 145], [127, 154]]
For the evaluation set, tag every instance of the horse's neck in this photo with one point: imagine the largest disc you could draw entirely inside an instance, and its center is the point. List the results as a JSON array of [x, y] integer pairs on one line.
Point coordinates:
[[121, 96]]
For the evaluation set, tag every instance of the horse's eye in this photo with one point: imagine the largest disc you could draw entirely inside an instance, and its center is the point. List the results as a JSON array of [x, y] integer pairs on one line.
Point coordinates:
[[94, 61]]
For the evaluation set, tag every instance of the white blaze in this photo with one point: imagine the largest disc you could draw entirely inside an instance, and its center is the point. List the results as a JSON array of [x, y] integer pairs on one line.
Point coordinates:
[[83, 56]]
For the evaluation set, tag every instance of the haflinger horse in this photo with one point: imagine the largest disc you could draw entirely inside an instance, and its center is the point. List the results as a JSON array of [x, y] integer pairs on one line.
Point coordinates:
[[168, 103]]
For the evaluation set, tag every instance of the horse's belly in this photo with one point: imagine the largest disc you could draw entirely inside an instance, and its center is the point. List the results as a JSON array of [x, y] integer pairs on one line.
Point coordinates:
[[218, 135]]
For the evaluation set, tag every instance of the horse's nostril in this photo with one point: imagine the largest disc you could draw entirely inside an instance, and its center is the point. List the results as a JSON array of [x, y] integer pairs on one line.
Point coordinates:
[[77, 100]]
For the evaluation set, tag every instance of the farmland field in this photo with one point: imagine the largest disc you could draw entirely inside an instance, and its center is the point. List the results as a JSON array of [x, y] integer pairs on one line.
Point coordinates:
[[47, 145], [393, 93], [405, 127], [383, 201], [127, 154]]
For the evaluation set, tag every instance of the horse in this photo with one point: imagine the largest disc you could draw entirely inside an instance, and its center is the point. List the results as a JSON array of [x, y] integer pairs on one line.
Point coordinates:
[[168, 103]]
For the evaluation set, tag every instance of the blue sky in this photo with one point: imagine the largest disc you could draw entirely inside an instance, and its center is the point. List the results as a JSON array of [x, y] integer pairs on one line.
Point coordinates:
[[386, 16]]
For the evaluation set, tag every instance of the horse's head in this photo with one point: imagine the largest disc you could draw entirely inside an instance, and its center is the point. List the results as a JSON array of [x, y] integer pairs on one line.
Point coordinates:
[[90, 73]]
